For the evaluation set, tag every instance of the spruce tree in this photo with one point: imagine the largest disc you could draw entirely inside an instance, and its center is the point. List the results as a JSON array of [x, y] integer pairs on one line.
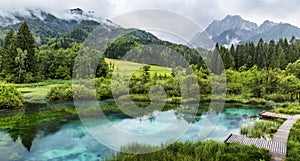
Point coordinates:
[[273, 55], [251, 58], [8, 53], [235, 58], [25, 41], [281, 58], [260, 54], [240, 52], [216, 65]]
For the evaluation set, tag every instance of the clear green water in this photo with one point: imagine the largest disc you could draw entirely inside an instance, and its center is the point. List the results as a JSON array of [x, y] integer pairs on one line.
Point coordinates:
[[55, 133]]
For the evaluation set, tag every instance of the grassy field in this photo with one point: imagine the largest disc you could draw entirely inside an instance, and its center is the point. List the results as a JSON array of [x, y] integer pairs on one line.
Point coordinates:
[[136, 68], [37, 92]]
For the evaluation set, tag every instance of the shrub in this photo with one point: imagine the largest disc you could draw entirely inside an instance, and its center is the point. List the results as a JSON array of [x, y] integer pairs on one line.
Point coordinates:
[[10, 97], [175, 100], [290, 109], [277, 97], [257, 101], [58, 92], [66, 92]]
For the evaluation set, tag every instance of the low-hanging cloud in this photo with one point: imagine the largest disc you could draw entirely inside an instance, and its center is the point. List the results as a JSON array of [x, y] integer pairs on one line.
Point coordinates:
[[201, 11]]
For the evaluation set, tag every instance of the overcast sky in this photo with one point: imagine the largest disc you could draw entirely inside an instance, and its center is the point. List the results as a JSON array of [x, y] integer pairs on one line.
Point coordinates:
[[201, 11]]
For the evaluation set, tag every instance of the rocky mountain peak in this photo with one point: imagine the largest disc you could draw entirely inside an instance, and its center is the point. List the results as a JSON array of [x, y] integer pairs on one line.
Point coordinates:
[[229, 22], [77, 11], [233, 29]]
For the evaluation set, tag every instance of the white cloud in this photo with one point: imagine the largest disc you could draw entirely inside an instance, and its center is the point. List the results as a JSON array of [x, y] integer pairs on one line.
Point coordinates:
[[201, 11]]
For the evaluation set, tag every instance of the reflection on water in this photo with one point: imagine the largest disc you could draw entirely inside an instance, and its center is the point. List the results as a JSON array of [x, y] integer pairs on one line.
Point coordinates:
[[55, 132]]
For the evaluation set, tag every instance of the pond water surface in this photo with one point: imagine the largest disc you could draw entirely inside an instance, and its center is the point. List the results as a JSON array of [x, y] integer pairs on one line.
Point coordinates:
[[40, 133]]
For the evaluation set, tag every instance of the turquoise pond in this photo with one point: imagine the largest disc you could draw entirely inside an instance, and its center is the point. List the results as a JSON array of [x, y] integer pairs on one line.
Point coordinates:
[[61, 137]]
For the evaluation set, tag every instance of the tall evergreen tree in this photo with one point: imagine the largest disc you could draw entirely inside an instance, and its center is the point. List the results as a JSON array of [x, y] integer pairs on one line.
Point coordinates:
[[281, 58], [260, 54], [228, 59], [240, 51], [233, 54], [265, 56], [251, 52], [273, 55], [8, 54], [216, 65], [25, 41]]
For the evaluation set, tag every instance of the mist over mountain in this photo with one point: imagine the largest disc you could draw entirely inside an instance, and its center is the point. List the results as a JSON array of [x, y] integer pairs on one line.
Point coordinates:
[[230, 30], [235, 30], [74, 23]]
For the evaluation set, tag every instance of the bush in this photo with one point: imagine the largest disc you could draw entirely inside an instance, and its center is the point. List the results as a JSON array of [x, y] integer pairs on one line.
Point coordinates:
[[66, 92], [57, 92], [290, 109], [10, 97], [257, 101], [175, 100], [277, 97], [103, 88]]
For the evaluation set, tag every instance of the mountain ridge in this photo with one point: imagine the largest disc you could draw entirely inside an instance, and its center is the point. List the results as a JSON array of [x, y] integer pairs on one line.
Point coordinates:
[[46, 25], [234, 30]]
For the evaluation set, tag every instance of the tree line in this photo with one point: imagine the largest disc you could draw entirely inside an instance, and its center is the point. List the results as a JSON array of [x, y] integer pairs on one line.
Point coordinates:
[[268, 55], [23, 61], [18, 54]]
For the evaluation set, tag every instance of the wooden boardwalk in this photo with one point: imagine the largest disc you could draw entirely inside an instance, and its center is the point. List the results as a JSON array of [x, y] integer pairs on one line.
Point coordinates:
[[278, 145], [275, 147]]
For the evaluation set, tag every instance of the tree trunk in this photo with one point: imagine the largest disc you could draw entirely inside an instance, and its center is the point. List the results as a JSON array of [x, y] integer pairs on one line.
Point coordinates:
[[20, 72], [292, 97]]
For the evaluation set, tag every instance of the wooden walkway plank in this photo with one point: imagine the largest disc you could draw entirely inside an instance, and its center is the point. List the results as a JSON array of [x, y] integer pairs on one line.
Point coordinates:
[[278, 145]]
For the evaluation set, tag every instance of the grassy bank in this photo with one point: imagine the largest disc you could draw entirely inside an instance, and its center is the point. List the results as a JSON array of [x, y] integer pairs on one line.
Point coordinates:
[[38, 92], [208, 151], [294, 143], [288, 108]]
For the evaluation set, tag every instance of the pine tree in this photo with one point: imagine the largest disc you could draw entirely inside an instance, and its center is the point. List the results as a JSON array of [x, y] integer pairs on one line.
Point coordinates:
[[216, 65], [25, 41], [251, 51], [8, 54], [233, 54], [260, 54], [240, 51], [273, 55], [228, 59], [265, 56], [281, 58]]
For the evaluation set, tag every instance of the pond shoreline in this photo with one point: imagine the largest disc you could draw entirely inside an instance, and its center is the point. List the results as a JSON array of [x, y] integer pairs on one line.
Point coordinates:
[[236, 103], [43, 125]]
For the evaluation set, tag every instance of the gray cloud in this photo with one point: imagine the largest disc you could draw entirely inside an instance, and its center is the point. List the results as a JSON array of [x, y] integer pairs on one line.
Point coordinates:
[[201, 11], [204, 11], [102, 7]]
